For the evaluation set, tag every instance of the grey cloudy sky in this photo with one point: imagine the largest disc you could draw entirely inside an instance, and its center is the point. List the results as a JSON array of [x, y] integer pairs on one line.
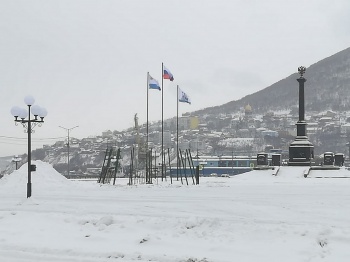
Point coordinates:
[[86, 61]]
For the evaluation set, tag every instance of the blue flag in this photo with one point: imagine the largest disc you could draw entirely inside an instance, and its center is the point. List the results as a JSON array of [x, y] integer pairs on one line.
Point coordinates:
[[153, 83]]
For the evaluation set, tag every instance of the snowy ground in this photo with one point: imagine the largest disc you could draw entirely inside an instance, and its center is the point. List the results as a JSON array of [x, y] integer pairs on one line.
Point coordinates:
[[251, 217]]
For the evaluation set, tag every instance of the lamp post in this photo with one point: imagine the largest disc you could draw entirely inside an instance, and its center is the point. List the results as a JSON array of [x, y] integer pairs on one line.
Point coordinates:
[[68, 129], [20, 115]]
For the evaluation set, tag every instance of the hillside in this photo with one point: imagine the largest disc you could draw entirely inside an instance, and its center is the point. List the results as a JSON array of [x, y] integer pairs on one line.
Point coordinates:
[[327, 87]]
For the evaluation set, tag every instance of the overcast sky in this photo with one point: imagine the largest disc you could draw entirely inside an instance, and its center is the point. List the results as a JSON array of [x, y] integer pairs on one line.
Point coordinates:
[[87, 61]]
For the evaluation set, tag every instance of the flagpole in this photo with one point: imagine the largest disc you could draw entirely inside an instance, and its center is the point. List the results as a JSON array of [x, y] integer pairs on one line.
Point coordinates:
[[162, 123], [147, 130], [177, 133]]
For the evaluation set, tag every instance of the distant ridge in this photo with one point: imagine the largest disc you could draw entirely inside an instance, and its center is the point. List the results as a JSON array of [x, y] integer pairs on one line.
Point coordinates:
[[327, 87]]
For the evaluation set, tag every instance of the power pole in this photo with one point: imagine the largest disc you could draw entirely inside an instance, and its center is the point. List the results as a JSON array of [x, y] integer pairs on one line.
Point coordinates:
[[68, 129]]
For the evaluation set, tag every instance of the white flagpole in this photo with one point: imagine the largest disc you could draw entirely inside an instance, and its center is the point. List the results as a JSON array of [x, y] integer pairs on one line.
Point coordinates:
[[162, 122], [177, 133], [147, 131]]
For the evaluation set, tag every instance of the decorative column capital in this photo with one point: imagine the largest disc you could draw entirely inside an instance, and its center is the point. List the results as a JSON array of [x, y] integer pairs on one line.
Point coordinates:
[[301, 71]]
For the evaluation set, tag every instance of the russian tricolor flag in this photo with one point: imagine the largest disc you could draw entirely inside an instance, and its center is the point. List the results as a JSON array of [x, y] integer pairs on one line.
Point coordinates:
[[167, 74]]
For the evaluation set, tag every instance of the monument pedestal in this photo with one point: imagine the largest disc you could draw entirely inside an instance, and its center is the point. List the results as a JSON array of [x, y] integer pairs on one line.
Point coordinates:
[[301, 152]]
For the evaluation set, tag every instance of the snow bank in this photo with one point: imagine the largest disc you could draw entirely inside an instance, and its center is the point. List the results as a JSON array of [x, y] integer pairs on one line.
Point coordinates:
[[290, 173], [45, 178], [341, 173]]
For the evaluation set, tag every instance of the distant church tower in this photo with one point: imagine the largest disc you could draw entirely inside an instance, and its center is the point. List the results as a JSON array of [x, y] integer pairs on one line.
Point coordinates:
[[248, 110]]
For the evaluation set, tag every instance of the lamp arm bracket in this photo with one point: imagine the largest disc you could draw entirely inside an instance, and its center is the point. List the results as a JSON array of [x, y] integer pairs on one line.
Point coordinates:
[[25, 126]]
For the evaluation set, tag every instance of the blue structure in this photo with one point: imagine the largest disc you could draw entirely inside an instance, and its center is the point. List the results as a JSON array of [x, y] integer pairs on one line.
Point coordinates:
[[219, 165]]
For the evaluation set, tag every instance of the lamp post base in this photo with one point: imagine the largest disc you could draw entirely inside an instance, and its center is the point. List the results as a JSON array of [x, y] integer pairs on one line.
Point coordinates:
[[29, 190]]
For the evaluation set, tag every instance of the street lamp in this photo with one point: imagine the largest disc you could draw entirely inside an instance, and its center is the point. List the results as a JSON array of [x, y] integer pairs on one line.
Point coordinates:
[[68, 129], [20, 115]]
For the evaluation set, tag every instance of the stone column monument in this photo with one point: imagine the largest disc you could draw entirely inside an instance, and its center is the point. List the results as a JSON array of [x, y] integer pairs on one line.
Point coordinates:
[[301, 151]]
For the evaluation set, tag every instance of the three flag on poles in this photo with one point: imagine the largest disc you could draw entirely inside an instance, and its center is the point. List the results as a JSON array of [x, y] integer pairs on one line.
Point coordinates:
[[154, 84]]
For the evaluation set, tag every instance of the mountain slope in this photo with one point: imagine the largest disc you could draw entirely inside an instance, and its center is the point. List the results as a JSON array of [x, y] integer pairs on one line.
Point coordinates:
[[327, 87]]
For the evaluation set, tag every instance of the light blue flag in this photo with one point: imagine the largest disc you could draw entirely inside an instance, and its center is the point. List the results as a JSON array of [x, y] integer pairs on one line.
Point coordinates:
[[153, 83]]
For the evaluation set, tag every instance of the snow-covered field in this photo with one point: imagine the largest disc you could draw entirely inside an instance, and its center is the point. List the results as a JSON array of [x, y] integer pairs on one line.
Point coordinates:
[[251, 217]]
